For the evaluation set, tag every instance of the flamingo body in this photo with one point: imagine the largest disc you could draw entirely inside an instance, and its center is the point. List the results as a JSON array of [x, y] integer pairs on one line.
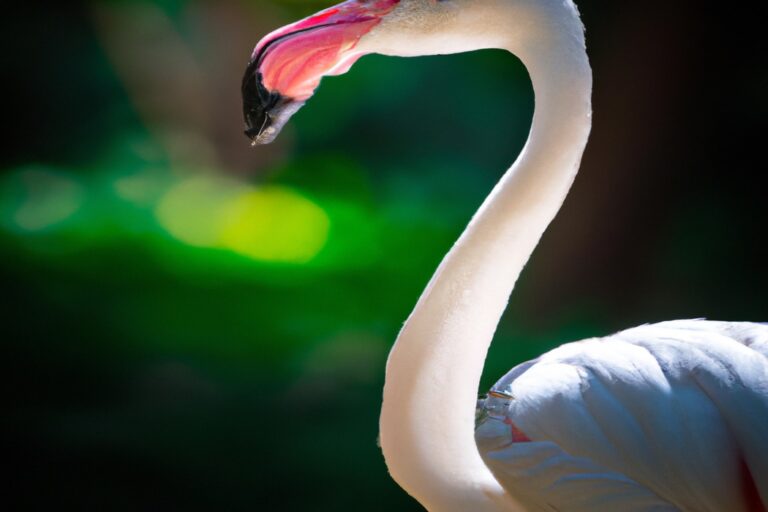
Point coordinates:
[[669, 416]]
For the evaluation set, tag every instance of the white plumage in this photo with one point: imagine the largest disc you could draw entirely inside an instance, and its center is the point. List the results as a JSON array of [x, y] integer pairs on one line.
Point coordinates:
[[670, 416]]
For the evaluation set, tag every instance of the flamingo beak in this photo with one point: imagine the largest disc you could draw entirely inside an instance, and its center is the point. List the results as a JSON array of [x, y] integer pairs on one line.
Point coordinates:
[[287, 65], [265, 112]]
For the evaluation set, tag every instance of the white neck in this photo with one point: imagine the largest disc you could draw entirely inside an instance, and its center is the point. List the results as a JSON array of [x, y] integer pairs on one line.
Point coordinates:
[[434, 369]]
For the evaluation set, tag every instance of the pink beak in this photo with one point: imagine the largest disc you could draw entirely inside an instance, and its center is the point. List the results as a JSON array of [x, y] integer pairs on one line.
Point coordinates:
[[286, 66]]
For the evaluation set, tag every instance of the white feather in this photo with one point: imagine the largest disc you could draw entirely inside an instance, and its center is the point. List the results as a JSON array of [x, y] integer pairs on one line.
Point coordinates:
[[679, 408]]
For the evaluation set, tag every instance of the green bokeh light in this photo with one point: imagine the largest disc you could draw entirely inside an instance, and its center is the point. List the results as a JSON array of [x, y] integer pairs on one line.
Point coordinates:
[[37, 199], [269, 223]]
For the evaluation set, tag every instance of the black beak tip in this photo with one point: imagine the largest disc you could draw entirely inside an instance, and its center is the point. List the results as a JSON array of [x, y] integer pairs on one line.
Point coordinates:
[[265, 112], [264, 123], [265, 134], [261, 137]]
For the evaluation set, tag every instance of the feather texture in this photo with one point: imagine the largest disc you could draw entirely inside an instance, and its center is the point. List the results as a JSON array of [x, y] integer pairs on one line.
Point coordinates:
[[667, 415]]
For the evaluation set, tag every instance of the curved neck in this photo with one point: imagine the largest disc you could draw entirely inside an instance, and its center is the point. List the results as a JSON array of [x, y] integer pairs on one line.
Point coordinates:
[[434, 368]]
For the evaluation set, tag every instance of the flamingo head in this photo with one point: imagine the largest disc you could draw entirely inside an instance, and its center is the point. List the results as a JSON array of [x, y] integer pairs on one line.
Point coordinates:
[[286, 66]]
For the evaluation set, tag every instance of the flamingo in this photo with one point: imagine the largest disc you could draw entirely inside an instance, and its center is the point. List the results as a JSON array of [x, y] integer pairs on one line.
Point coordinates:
[[663, 417]]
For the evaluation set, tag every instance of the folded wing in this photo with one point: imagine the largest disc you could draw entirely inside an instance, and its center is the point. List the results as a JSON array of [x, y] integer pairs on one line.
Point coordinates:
[[668, 415]]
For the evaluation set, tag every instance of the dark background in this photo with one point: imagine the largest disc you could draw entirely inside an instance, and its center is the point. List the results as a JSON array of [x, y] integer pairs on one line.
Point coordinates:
[[193, 324]]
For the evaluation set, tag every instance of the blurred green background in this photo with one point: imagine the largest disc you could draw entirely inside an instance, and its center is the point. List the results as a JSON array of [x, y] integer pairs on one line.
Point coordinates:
[[194, 324]]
